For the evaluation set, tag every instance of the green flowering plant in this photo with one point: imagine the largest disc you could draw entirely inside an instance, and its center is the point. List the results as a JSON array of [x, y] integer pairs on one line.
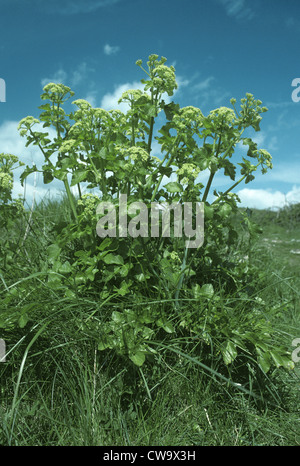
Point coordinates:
[[112, 153], [9, 208]]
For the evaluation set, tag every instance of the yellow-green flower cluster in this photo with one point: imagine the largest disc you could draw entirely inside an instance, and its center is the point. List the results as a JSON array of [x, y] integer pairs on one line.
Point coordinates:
[[138, 154], [224, 114], [174, 256], [6, 181], [266, 159], [28, 122], [52, 88], [89, 118], [131, 95], [89, 202], [68, 146], [188, 117], [83, 111], [189, 172], [117, 115], [55, 92], [222, 118], [8, 159], [267, 156], [164, 79]]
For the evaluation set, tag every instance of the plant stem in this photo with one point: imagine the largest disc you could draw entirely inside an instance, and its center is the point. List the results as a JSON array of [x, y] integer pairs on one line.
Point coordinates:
[[70, 198]]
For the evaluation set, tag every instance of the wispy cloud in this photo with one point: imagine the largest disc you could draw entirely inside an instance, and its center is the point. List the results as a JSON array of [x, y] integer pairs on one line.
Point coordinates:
[[292, 23], [207, 92], [238, 9], [59, 76], [74, 78], [204, 85], [111, 49], [285, 173], [73, 7]]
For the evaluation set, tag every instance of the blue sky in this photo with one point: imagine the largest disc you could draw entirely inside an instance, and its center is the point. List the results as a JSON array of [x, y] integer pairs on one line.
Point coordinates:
[[220, 49]]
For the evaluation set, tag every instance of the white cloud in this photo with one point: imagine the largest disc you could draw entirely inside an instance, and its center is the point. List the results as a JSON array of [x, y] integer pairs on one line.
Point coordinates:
[[205, 84], [110, 100], [285, 173], [72, 79], [181, 82], [58, 76], [11, 142], [80, 74], [91, 98], [267, 199], [209, 93], [111, 49], [237, 9]]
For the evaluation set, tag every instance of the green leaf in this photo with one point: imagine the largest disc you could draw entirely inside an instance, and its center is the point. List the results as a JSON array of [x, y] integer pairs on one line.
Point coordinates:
[[174, 187], [249, 178], [118, 317], [277, 358], [229, 353], [103, 153], [65, 267], [137, 358], [167, 326], [23, 320], [170, 110], [207, 291], [225, 210], [78, 176], [47, 176], [264, 360], [53, 252], [113, 259]]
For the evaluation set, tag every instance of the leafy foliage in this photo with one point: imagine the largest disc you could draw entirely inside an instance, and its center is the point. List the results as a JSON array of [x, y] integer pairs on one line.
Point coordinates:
[[111, 152]]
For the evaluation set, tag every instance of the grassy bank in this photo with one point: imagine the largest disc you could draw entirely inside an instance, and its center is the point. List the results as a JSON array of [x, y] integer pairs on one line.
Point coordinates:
[[57, 388]]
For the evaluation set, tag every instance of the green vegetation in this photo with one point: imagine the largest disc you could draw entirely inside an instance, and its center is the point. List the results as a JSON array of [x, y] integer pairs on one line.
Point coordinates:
[[138, 340]]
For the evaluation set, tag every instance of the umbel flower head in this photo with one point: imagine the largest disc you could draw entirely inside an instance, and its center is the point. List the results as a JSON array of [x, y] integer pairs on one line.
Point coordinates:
[[189, 172], [162, 77]]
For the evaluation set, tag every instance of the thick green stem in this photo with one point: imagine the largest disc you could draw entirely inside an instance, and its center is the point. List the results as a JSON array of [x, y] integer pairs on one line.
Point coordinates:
[[151, 122], [167, 165], [211, 176], [70, 198], [212, 173]]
